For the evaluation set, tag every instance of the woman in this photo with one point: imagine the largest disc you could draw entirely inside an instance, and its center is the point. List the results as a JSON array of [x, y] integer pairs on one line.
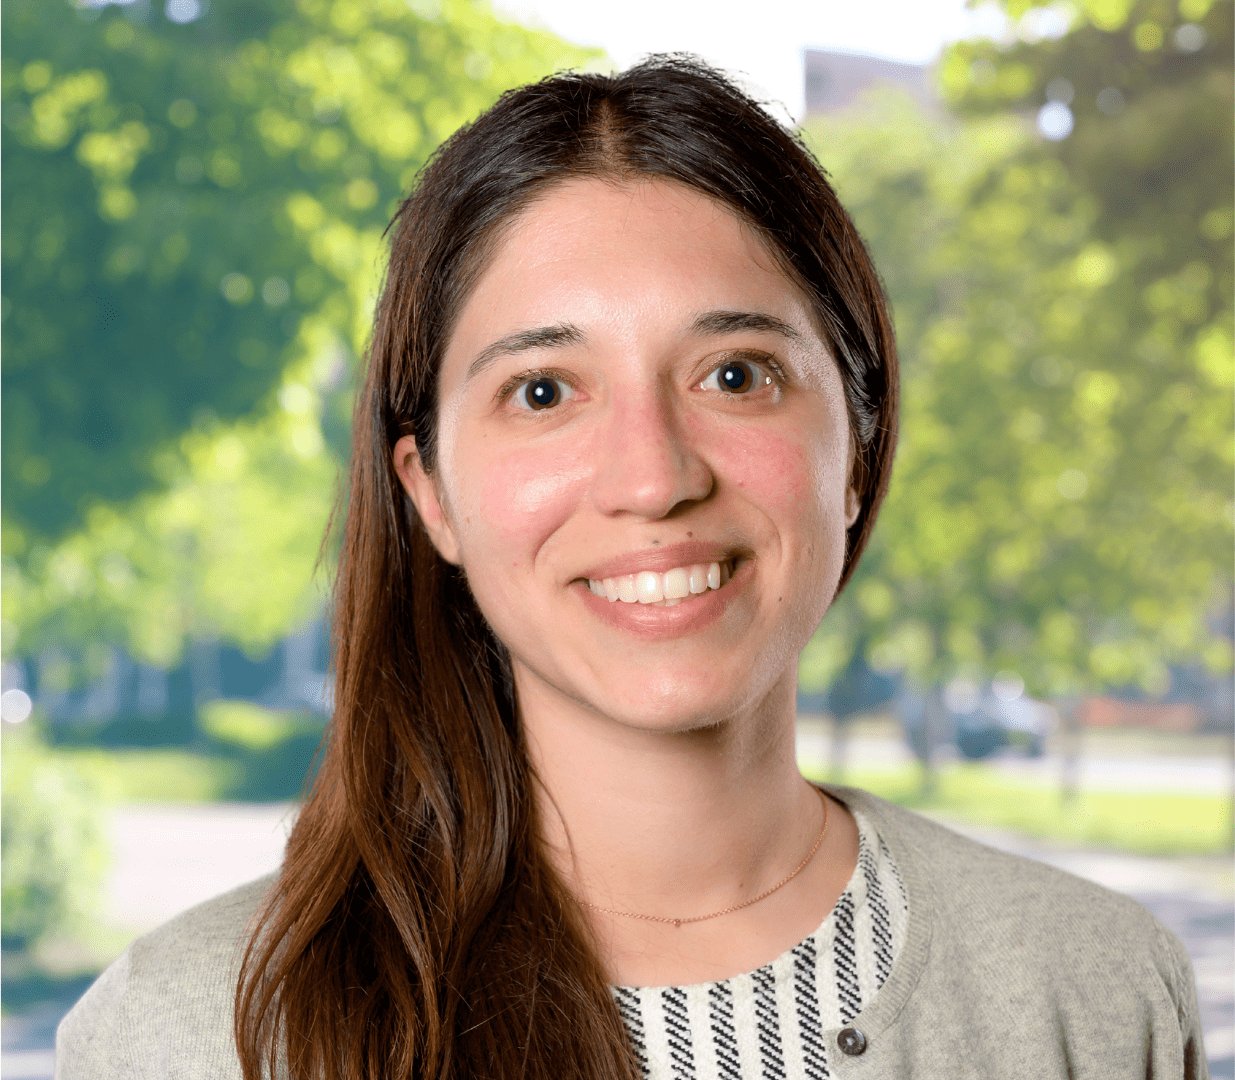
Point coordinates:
[[629, 415]]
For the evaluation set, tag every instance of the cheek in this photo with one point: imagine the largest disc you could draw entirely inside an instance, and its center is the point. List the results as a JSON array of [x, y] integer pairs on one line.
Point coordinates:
[[790, 478], [519, 498]]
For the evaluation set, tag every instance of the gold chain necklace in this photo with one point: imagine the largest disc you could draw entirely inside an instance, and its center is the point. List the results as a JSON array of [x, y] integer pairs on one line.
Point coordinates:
[[736, 907]]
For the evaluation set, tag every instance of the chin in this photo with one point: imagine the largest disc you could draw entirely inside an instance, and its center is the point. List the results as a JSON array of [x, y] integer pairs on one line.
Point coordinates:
[[673, 704]]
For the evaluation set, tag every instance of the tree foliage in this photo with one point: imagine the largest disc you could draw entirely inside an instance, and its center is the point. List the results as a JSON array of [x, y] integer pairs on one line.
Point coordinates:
[[55, 853], [1061, 503], [193, 219], [193, 230]]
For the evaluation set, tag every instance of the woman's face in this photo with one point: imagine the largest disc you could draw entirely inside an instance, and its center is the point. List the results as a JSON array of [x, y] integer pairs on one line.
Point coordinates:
[[643, 457]]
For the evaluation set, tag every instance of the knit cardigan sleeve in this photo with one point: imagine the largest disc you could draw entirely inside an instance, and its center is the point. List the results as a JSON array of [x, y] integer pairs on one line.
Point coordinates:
[[1013, 968], [86, 1047], [1184, 996], [164, 1008]]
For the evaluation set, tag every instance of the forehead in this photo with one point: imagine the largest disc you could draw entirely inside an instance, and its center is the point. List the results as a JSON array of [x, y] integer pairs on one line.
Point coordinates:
[[612, 212], [605, 249]]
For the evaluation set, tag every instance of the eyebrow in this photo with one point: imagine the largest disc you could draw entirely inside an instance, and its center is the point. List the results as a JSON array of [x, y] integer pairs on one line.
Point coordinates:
[[540, 337], [730, 322], [709, 324]]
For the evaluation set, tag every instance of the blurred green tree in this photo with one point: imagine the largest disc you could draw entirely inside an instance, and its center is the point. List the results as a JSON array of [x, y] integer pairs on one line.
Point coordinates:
[[1062, 503], [54, 850], [193, 218]]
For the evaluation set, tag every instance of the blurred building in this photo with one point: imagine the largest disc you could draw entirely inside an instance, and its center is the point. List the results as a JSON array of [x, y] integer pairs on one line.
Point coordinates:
[[1197, 700], [835, 81]]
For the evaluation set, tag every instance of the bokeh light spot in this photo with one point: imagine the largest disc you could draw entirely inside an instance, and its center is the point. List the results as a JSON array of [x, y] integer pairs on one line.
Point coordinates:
[[236, 288], [15, 706], [1055, 120], [276, 292], [1073, 484]]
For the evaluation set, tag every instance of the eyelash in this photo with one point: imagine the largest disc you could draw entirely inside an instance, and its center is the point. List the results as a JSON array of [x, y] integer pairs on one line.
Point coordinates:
[[506, 391], [760, 360]]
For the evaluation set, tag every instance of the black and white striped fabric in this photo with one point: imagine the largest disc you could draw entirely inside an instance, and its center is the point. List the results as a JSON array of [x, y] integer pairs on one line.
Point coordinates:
[[769, 1023]]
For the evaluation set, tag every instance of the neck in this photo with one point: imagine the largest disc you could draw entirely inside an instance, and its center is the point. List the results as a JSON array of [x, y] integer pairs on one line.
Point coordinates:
[[675, 824]]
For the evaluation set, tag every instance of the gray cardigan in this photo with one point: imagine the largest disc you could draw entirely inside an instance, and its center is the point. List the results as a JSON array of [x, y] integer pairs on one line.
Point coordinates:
[[1009, 969]]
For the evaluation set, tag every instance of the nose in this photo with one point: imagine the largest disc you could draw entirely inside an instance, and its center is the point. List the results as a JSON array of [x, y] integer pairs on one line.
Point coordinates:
[[648, 465]]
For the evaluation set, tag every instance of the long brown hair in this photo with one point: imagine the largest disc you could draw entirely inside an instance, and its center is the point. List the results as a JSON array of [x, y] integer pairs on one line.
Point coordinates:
[[418, 928]]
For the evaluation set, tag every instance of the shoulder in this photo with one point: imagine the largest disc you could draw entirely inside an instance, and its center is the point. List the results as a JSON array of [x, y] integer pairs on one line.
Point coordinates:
[[164, 1008], [1023, 968], [985, 899]]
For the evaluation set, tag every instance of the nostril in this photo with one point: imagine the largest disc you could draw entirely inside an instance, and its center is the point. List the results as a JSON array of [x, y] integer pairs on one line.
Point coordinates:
[[648, 469]]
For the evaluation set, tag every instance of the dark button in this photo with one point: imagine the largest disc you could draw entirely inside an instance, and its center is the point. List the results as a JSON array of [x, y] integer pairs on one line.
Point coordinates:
[[851, 1041]]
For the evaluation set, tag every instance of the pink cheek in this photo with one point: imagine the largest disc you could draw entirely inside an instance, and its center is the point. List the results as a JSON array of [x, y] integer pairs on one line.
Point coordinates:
[[524, 497], [779, 471]]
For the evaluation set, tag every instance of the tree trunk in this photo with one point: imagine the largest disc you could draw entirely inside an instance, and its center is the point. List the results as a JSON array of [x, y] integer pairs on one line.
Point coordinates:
[[840, 748], [1070, 750], [933, 725]]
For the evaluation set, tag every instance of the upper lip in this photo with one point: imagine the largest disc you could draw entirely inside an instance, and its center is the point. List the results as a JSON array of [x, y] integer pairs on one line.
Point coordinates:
[[661, 558]]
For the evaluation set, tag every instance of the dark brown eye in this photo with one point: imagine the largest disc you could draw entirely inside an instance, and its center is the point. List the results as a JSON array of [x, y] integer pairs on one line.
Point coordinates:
[[736, 377], [539, 394]]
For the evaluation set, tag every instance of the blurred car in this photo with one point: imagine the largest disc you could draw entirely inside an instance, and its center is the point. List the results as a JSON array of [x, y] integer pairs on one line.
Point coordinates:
[[978, 721]]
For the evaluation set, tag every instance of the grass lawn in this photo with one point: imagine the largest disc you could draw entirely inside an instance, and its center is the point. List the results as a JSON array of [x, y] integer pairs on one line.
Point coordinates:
[[239, 752], [1142, 823], [156, 774]]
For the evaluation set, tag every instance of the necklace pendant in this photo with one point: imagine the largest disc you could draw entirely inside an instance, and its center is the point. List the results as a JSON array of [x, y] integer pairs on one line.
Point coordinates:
[[677, 923]]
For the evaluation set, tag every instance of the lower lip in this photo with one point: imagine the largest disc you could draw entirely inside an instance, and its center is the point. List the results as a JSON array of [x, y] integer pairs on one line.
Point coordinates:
[[652, 621]]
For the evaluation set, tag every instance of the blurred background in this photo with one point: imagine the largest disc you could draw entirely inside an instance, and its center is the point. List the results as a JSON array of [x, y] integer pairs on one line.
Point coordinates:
[[1037, 647]]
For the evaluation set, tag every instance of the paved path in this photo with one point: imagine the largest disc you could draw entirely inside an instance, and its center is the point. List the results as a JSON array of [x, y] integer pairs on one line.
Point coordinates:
[[169, 858]]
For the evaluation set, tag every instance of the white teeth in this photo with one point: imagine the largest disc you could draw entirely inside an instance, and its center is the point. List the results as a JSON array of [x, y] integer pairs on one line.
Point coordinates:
[[677, 583], [667, 589], [698, 579], [650, 587]]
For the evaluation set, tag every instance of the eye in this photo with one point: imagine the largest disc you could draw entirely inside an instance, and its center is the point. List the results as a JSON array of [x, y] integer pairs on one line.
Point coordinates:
[[737, 377], [536, 395]]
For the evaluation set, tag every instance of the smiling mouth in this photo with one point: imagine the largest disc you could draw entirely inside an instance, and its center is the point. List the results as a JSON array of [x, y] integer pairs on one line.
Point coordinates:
[[664, 589]]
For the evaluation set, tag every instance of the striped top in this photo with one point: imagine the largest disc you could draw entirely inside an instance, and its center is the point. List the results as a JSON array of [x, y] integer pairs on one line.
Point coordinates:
[[768, 1024]]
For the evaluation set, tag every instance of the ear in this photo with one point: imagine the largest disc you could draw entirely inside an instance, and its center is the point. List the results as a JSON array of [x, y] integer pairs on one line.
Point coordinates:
[[853, 506], [426, 497], [853, 501]]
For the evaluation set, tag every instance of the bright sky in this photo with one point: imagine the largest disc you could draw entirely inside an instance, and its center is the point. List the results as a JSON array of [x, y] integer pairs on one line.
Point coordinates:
[[763, 39]]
